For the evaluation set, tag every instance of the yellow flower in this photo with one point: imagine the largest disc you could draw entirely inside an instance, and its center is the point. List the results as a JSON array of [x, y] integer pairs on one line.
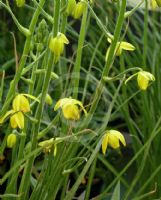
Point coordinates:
[[21, 103], [119, 47], [56, 45], [11, 140], [20, 3], [143, 78], [17, 120], [79, 9], [70, 7], [153, 4], [48, 145], [70, 108], [113, 139]]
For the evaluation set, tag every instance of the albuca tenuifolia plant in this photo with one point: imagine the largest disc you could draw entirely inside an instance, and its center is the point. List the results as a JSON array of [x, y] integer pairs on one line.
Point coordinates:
[[80, 100]]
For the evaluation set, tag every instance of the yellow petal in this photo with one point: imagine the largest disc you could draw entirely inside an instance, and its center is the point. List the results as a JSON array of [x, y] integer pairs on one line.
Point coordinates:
[[104, 143], [71, 112], [69, 101], [64, 38], [119, 136], [10, 112], [17, 120], [113, 141], [127, 46], [21, 103]]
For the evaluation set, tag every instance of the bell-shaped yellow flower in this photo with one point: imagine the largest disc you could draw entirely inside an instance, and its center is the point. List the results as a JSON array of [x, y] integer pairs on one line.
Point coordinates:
[[119, 47], [21, 103], [143, 79], [113, 139], [56, 45], [11, 140], [79, 9], [71, 7], [70, 108]]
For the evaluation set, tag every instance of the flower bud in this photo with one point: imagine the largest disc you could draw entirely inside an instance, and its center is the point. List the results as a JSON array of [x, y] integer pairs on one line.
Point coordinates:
[[20, 3], [143, 79], [158, 3], [79, 9], [11, 140], [56, 45], [70, 7], [48, 100]]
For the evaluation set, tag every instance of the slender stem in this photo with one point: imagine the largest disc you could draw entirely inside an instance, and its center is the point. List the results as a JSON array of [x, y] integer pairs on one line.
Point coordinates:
[[26, 50], [108, 65], [77, 65], [24, 186]]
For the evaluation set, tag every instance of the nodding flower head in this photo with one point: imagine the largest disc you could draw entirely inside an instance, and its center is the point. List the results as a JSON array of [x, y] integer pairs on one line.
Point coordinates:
[[56, 45], [79, 9], [120, 47], [70, 108], [143, 79], [112, 138]]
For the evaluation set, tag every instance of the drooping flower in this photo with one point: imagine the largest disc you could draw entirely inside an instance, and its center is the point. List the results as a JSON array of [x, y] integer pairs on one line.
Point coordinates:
[[11, 140], [70, 7], [112, 138], [70, 108], [143, 79], [20, 105], [79, 9], [120, 47], [56, 45]]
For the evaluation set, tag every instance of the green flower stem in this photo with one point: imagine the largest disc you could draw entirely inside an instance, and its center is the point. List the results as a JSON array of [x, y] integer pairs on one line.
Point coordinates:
[[2, 85], [17, 77], [25, 182], [108, 65], [71, 193], [13, 181], [77, 65], [90, 179], [33, 76]]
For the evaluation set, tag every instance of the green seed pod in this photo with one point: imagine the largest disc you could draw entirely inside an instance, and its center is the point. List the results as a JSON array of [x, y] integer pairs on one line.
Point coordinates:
[[79, 9], [20, 3], [11, 140], [70, 7], [158, 3]]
